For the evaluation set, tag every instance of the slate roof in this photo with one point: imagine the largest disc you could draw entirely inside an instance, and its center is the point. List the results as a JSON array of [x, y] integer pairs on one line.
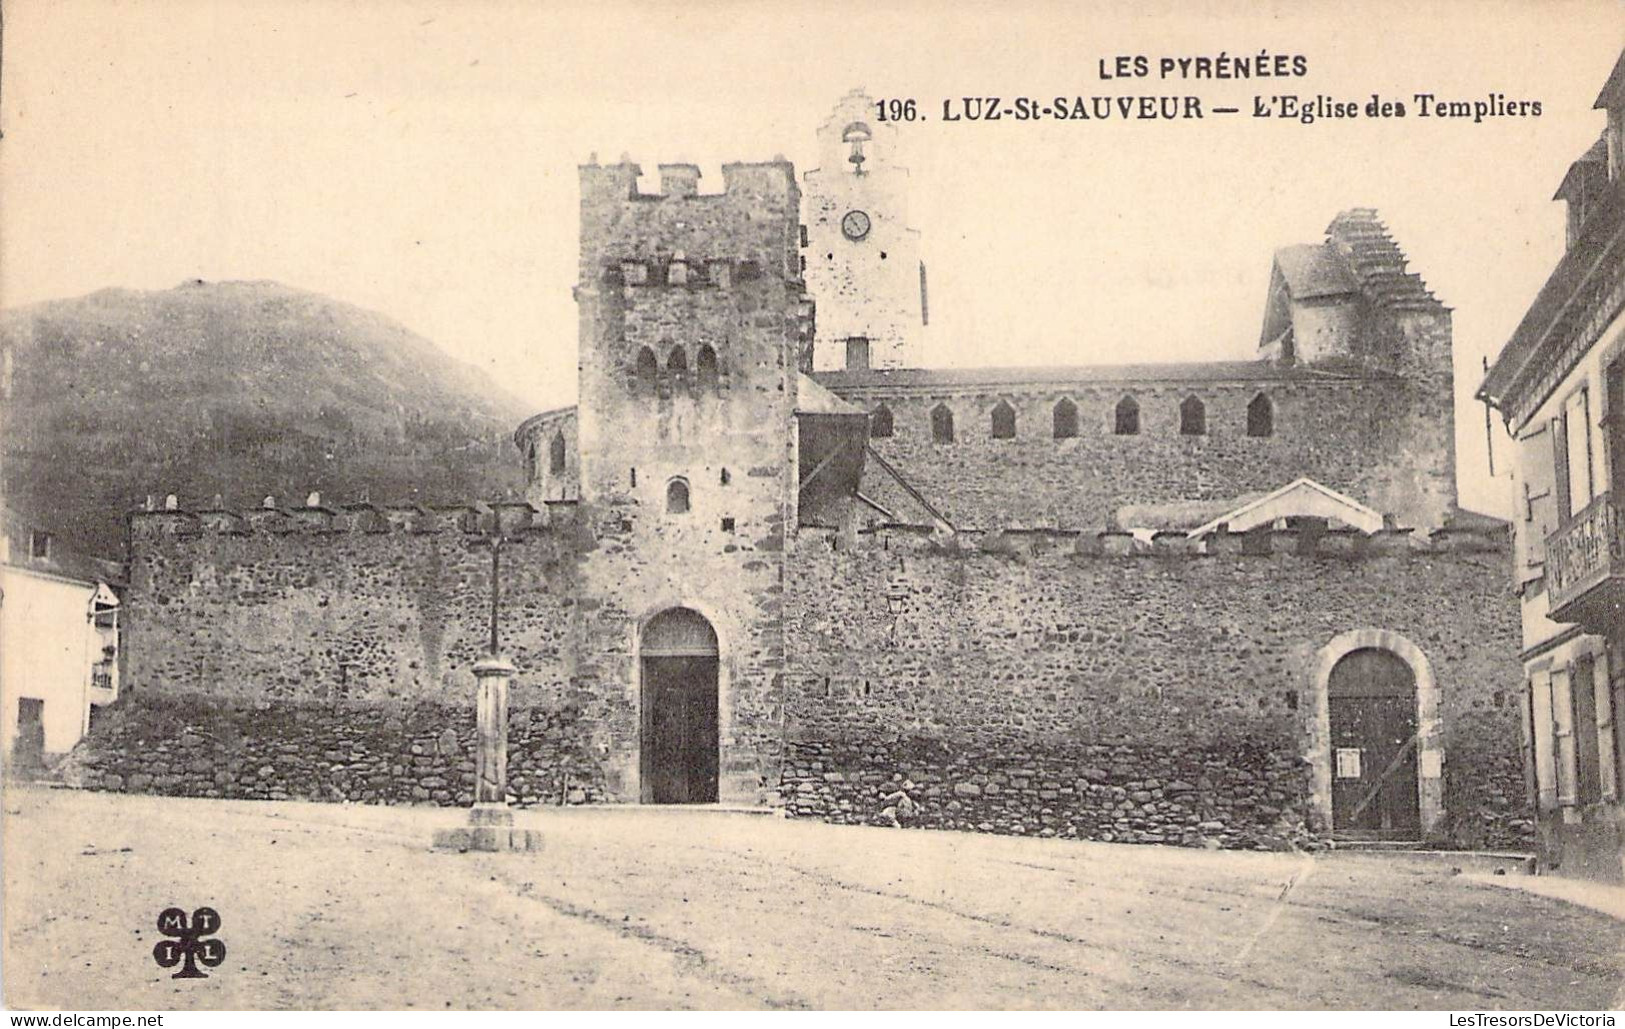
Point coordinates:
[[811, 398], [63, 562], [1377, 262], [1315, 270], [1592, 161], [1613, 91]]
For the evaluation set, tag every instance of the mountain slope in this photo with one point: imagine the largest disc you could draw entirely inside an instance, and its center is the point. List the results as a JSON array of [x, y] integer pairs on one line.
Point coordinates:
[[243, 389]]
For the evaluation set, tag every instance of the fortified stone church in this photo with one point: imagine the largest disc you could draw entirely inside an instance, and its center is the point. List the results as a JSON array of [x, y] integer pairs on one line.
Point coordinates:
[[774, 558]]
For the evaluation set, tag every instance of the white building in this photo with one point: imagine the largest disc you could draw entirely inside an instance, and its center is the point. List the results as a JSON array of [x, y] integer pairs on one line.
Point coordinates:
[[58, 643], [1560, 385]]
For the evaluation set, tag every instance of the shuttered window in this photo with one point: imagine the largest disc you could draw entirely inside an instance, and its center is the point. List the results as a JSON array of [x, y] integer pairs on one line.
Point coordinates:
[[1537, 481], [1542, 738], [1607, 752], [1563, 736], [1560, 467], [1577, 423], [1588, 781], [1531, 782]]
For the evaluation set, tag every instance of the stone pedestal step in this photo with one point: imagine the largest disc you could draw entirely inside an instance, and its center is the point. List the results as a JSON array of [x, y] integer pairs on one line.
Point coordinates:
[[487, 838], [672, 809], [1482, 861]]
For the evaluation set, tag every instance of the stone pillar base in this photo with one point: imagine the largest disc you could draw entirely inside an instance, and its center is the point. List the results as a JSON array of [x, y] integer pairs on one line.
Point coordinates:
[[487, 838], [490, 814]]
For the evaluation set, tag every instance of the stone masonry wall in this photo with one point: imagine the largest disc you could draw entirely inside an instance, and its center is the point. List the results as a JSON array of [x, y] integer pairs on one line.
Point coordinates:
[[1028, 685], [1372, 438], [318, 605], [360, 752]]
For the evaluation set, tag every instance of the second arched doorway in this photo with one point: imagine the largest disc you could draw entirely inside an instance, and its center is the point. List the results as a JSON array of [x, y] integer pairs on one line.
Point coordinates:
[[1372, 696], [679, 733]]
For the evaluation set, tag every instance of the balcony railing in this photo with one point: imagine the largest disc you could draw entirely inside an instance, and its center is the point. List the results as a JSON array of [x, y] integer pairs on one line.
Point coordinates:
[[1585, 568]]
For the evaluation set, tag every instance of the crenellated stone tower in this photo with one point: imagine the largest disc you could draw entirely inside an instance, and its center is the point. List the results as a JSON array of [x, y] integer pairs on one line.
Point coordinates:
[[691, 321]]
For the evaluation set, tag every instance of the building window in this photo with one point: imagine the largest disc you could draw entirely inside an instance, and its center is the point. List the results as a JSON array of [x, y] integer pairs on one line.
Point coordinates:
[[1127, 419], [1613, 437], [533, 462], [677, 366], [1563, 736], [1577, 419], [1192, 417], [1261, 417], [39, 545], [1066, 419], [857, 352], [555, 454], [646, 371], [1571, 438], [1607, 742], [942, 424], [1543, 737], [880, 423], [1004, 421], [1588, 777], [705, 367], [677, 496]]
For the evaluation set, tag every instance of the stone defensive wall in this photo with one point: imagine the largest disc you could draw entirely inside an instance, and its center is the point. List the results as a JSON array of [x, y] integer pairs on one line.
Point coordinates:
[[1092, 685], [1095, 686]]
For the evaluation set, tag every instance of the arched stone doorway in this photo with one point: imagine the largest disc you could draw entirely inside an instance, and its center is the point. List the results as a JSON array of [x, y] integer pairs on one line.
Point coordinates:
[[1376, 752], [1372, 697], [678, 737]]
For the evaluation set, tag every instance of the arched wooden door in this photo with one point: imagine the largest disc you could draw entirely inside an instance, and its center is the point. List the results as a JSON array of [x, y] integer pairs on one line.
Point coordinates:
[[1372, 695], [678, 752]]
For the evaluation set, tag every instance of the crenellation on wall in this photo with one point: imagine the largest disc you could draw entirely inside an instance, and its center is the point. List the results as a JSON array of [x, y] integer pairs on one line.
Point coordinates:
[[1265, 541], [1152, 665]]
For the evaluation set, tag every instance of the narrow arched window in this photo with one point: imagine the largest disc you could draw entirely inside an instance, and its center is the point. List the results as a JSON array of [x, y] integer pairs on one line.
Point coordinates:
[[705, 367], [1004, 421], [1192, 417], [677, 496], [942, 424], [555, 454], [677, 365], [533, 463], [646, 371], [1066, 419], [1261, 417], [1127, 419], [880, 423]]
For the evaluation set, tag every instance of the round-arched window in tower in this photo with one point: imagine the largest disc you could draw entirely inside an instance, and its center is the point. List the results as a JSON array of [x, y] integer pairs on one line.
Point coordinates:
[[677, 496]]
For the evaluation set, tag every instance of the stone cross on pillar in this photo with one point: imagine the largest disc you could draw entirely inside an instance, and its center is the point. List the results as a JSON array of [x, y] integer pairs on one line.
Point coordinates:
[[491, 675], [490, 822]]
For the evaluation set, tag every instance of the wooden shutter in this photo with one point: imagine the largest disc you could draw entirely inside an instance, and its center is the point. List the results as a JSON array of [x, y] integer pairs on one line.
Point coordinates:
[[1607, 748], [1563, 736], [1535, 473], [1560, 467], [1588, 787]]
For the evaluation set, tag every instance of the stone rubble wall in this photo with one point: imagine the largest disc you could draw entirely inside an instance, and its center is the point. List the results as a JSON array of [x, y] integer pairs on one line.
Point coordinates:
[[1224, 797], [926, 670], [318, 604], [364, 752]]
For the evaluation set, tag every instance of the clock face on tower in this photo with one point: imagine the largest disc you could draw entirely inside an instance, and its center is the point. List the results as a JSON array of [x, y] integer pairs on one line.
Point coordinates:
[[855, 225]]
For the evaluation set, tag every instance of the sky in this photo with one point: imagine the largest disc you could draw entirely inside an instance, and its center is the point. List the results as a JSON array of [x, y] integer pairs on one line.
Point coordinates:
[[420, 158]]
